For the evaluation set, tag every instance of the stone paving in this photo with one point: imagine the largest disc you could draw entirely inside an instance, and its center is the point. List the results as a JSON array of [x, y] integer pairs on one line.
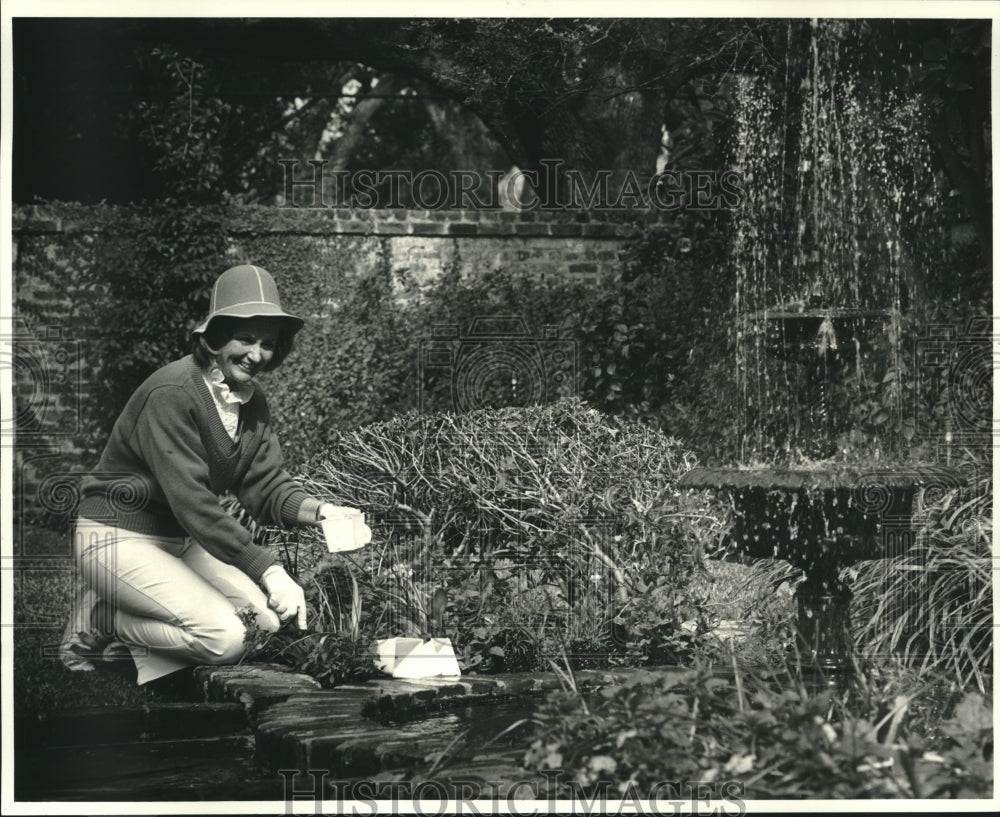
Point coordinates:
[[298, 725], [244, 729]]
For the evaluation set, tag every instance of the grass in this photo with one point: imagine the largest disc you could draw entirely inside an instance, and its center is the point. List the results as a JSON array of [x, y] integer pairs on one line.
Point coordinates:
[[934, 603]]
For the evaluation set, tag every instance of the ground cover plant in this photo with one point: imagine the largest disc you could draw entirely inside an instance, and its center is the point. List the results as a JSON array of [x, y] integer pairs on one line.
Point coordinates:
[[769, 736]]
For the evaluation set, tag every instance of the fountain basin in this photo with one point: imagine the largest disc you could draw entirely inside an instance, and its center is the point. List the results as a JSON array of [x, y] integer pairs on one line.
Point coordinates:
[[822, 517]]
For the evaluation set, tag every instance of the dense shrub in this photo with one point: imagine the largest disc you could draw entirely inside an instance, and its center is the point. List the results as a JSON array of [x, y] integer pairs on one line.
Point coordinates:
[[552, 528]]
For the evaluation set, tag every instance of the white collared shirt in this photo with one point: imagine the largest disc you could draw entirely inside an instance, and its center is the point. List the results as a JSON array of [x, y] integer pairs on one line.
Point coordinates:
[[227, 401]]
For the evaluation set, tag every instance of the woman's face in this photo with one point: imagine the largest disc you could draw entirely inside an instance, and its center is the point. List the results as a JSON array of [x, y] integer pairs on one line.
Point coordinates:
[[249, 350]]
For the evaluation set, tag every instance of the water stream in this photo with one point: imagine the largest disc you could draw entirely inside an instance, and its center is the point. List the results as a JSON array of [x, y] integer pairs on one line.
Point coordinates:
[[837, 168]]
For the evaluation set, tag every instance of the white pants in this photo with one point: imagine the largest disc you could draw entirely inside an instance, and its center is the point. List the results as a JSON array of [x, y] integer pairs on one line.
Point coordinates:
[[173, 603]]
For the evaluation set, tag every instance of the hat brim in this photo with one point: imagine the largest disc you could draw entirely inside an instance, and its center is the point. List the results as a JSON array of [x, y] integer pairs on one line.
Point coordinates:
[[260, 309]]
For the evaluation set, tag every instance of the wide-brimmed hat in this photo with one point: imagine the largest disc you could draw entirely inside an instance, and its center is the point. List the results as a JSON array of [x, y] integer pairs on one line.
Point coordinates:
[[246, 291]]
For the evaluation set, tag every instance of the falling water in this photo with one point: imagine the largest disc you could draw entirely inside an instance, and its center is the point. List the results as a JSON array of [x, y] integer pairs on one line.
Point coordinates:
[[835, 166]]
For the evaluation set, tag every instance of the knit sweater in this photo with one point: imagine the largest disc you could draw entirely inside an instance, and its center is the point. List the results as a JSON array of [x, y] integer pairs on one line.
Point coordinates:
[[169, 458]]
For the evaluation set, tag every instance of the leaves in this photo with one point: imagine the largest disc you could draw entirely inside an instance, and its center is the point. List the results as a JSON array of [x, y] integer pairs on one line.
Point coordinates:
[[932, 605], [787, 745]]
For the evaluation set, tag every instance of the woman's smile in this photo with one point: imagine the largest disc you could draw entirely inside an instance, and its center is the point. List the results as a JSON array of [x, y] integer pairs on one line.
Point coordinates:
[[249, 350]]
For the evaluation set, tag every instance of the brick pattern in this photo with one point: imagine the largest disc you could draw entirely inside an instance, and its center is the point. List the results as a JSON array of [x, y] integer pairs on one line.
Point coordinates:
[[582, 244], [69, 218]]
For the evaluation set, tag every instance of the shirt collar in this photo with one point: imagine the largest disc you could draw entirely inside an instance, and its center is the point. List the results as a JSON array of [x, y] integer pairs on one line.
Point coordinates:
[[216, 381]]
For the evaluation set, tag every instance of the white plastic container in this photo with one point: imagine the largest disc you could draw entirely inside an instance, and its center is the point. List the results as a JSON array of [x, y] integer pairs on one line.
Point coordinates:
[[413, 658], [346, 532]]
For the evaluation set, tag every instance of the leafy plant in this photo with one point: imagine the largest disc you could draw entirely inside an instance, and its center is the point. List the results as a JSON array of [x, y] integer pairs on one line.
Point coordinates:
[[542, 529], [933, 605], [770, 734]]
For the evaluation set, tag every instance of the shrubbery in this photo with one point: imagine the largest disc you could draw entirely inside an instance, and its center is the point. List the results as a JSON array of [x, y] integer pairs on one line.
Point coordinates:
[[646, 345], [552, 529]]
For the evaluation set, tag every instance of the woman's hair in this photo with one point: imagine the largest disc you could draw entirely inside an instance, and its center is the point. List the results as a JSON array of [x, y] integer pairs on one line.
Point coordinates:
[[205, 346]]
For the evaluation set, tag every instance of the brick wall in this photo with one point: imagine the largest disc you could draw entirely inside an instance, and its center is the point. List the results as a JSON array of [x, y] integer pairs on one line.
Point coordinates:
[[580, 244]]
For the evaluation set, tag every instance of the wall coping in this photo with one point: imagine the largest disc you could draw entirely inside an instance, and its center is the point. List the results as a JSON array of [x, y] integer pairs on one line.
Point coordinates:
[[77, 218]]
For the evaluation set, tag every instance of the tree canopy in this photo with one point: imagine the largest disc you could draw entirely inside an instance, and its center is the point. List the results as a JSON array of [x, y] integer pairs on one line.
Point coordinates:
[[125, 109]]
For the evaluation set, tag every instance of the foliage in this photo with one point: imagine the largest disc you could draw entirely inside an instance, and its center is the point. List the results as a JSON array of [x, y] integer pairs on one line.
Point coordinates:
[[209, 140], [183, 127], [680, 376], [645, 345], [355, 361], [770, 734], [547, 527], [933, 605], [143, 302], [570, 89]]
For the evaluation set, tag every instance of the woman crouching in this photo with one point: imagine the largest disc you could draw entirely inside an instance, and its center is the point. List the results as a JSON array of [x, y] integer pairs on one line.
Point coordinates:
[[168, 572]]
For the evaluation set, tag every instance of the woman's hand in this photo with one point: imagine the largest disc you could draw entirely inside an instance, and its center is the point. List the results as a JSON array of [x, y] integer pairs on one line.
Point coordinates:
[[284, 596]]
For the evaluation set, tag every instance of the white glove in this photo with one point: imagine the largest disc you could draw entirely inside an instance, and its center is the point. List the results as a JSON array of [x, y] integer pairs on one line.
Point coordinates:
[[284, 596]]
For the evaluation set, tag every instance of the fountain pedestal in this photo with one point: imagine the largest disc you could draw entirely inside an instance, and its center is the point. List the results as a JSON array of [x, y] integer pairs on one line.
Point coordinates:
[[822, 520]]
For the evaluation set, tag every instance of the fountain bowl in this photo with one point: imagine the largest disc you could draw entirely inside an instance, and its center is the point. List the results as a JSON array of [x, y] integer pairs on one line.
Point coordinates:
[[829, 516]]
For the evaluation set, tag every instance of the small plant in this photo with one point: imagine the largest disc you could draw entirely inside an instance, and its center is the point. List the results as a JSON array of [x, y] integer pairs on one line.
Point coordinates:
[[766, 732]]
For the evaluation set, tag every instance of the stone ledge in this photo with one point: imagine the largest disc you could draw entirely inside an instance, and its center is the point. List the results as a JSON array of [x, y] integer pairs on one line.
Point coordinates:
[[254, 686], [299, 725]]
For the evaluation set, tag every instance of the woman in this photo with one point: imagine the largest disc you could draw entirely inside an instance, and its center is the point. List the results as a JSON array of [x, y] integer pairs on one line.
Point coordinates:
[[167, 568]]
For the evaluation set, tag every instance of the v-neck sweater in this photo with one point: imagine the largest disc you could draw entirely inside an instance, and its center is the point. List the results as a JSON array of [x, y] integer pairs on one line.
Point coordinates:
[[169, 458]]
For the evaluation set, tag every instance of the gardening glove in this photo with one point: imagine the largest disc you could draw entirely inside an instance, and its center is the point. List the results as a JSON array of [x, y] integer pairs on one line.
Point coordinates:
[[284, 596]]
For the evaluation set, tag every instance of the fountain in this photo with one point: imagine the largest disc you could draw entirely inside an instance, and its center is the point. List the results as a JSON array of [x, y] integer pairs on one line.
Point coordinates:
[[822, 284]]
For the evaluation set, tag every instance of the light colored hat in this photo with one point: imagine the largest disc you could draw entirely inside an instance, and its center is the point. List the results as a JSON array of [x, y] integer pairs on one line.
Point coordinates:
[[246, 291]]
